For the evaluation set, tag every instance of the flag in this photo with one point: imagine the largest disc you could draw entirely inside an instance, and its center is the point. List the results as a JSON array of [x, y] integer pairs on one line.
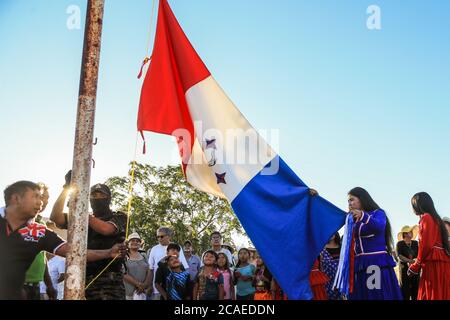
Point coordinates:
[[343, 281], [222, 154]]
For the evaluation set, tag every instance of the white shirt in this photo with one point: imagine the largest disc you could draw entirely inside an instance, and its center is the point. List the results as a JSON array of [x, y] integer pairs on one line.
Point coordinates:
[[42, 287], [157, 253], [56, 267], [226, 252]]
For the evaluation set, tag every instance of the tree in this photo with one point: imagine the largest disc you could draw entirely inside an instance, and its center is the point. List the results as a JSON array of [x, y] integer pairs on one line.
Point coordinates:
[[162, 197]]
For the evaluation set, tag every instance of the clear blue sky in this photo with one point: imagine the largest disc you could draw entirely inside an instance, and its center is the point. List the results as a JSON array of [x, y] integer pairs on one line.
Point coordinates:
[[354, 107]]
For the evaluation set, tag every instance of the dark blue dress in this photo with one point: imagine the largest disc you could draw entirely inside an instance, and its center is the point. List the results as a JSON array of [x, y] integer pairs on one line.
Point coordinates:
[[375, 278]]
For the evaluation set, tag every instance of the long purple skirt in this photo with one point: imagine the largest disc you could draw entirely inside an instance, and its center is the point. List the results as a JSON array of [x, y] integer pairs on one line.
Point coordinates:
[[389, 288]]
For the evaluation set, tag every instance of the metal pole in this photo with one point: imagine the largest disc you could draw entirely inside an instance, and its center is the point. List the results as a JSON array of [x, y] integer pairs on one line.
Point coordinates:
[[82, 157]]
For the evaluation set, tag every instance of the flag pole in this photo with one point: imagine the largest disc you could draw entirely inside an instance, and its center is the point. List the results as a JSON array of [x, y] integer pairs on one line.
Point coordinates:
[[82, 158]]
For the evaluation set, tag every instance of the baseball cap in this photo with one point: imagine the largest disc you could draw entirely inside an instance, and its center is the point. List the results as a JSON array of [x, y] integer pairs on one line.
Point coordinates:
[[103, 188]]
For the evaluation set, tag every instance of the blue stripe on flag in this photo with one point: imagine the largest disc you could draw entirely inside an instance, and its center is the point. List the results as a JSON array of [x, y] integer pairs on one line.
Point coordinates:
[[288, 227]]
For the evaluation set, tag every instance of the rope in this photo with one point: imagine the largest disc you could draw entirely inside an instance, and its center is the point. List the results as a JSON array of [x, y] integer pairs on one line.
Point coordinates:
[[130, 200], [133, 166], [150, 32], [148, 56], [130, 189]]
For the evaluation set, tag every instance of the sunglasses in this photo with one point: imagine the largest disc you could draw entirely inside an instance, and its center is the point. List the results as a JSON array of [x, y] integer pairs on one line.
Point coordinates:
[[161, 237]]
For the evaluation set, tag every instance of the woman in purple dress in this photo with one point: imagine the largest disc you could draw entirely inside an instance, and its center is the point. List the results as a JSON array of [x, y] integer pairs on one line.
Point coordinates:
[[373, 269]]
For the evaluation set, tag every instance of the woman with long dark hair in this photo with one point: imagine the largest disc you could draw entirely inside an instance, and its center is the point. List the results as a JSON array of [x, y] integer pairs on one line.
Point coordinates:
[[434, 251], [374, 275]]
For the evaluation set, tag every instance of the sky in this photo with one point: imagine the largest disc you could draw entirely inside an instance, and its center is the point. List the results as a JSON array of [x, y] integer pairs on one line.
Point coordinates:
[[353, 106]]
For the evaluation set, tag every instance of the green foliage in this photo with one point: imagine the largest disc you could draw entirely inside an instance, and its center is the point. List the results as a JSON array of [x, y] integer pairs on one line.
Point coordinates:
[[162, 197]]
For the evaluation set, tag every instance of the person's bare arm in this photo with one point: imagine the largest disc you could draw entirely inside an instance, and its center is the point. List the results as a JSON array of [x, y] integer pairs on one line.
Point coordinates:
[[405, 259], [129, 279], [102, 227], [161, 290], [273, 289], [233, 294], [57, 215], [51, 291], [195, 292], [221, 292], [118, 250], [149, 281], [140, 288]]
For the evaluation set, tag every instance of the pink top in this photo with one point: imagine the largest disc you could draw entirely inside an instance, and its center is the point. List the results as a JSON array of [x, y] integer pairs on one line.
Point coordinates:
[[226, 283]]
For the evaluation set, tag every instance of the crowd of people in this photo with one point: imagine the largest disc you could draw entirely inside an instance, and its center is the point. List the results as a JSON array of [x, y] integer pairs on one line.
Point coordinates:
[[33, 265]]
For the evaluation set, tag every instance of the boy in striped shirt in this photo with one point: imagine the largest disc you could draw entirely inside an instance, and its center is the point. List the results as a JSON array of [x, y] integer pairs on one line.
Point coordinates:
[[178, 283]]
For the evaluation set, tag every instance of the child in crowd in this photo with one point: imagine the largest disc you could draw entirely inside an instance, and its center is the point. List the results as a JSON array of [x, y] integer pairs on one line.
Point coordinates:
[[178, 283], [263, 280], [244, 275], [209, 281], [224, 269]]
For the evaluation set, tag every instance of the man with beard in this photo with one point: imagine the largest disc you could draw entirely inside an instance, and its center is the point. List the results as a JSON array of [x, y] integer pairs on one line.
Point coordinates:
[[106, 228]]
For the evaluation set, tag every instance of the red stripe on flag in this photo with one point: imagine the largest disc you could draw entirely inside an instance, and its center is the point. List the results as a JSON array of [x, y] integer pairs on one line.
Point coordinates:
[[175, 67]]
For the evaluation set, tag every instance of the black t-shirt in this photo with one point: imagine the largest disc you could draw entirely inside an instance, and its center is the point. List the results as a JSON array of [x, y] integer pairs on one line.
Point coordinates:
[[18, 250], [97, 241]]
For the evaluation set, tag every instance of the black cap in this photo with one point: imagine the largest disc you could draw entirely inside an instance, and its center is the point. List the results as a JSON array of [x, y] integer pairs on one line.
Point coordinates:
[[103, 188]]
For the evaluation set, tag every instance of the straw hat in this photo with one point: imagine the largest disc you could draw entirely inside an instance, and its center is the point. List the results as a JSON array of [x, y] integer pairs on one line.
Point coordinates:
[[134, 235], [414, 230]]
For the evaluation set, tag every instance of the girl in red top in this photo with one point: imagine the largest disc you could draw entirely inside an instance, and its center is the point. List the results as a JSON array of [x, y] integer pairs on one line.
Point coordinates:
[[434, 251]]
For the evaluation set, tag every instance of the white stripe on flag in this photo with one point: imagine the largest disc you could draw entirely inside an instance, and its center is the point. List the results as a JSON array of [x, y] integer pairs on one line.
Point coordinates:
[[241, 153]]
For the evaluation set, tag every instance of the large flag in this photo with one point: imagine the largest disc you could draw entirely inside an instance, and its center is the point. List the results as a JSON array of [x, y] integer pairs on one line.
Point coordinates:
[[224, 155]]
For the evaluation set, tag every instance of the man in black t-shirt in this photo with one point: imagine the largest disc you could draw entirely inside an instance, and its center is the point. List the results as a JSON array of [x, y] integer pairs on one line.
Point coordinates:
[[106, 228], [407, 251], [21, 239]]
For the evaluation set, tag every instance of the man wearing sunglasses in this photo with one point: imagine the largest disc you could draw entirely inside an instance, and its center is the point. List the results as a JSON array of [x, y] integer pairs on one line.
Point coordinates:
[[156, 254], [217, 247]]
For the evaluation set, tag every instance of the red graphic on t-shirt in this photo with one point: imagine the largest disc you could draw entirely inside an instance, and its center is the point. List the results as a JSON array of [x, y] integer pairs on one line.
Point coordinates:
[[32, 232]]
